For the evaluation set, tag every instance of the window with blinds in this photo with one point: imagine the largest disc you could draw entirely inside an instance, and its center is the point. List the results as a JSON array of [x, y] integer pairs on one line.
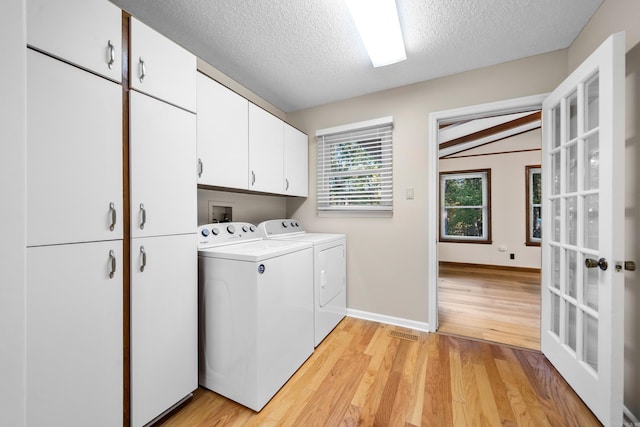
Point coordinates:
[[355, 167]]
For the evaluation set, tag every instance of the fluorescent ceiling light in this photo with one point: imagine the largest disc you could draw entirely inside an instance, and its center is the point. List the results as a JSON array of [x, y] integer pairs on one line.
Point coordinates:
[[379, 27]]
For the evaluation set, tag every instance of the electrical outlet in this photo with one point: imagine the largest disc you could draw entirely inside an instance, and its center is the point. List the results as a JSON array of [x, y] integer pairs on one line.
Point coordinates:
[[512, 256]]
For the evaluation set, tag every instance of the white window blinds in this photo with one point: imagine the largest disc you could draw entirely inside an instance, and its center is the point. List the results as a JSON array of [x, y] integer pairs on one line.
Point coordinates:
[[355, 167]]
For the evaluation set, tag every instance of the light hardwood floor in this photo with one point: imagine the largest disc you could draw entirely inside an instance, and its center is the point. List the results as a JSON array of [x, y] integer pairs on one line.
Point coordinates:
[[364, 375], [491, 304]]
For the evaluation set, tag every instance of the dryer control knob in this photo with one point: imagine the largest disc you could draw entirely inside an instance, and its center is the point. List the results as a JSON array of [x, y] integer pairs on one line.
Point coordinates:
[[215, 231], [205, 232], [252, 228], [231, 229], [284, 224], [245, 228]]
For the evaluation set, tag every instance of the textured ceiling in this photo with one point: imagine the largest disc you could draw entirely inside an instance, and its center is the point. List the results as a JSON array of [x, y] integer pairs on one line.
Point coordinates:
[[302, 53]]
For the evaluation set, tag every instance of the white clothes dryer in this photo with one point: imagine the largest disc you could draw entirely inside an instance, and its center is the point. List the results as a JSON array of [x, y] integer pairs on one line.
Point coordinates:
[[255, 311], [329, 271]]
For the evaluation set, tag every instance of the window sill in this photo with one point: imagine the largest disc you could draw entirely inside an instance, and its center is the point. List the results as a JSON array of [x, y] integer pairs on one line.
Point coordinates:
[[477, 242], [354, 214]]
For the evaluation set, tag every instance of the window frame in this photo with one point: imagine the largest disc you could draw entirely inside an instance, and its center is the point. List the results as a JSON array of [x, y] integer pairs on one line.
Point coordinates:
[[361, 133], [529, 171], [486, 207]]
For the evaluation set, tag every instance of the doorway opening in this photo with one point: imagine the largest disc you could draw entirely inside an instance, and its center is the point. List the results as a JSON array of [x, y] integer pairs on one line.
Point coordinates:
[[477, 288]]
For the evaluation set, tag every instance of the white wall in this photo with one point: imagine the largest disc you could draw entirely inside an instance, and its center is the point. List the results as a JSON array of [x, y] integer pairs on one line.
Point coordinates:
[[614, 16], [508, 202], [387, 257], [12, 214]]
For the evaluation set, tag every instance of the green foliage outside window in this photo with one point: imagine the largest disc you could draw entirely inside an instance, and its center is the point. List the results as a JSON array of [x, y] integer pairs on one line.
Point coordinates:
[[464, 210]]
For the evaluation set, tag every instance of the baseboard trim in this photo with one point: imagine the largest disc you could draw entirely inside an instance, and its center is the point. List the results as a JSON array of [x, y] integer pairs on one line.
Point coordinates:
[[494, 267], [630, 418], [389, 320]]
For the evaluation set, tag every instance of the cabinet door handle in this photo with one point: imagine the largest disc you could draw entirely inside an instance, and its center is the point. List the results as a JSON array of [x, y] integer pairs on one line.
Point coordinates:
[[143, 70], [200, 168], [286, 180], [112, 258], [111, 54], [253, 177], [143, 214], [112, 210], [144, 258]]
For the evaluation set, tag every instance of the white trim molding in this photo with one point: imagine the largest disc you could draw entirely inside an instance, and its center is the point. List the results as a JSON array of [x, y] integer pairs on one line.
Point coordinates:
[[630, 418], [389, 320]]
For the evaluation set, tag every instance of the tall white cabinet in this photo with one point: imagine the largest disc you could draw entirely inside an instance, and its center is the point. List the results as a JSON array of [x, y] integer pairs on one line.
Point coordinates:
[[74, 214], [163, 200]]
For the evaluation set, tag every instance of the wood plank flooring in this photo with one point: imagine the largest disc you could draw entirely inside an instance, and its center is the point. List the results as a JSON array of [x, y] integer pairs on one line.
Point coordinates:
[[491, 304], [362, 375]]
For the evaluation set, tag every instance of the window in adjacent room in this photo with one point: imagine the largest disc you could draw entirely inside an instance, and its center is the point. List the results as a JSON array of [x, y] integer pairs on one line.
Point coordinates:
[[465, 206], [534, 207], [355, 167]]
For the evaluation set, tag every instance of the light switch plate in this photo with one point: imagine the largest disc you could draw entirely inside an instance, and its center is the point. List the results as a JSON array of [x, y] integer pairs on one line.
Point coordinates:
[[410, 193]]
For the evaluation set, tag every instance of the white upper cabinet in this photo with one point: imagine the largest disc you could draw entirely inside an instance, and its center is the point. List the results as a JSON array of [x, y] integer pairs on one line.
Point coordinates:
[[266, 145], [295, 162], [161, 68], [86, 33], [74, 154], [162, 157], [223, 135]]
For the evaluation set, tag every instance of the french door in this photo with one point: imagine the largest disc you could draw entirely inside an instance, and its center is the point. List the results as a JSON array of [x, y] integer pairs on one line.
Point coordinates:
[[583, 239]]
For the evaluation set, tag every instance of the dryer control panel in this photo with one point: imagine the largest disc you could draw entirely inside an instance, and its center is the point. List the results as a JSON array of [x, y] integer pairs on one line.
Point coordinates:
[[275, 227], [225, 233]]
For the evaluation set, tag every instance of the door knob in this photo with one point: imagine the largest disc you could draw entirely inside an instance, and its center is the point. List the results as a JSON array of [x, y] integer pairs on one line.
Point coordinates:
[[592, 263]]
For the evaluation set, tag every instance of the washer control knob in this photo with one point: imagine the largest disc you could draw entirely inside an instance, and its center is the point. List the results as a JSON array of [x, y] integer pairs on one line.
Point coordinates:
[[231, 229], [205, 232], [252, 228], [293, 224], [245, 228], [215, 231], [284, 224]]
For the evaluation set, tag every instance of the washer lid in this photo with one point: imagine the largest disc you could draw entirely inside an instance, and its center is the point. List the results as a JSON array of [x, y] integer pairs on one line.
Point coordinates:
[[255, 251]]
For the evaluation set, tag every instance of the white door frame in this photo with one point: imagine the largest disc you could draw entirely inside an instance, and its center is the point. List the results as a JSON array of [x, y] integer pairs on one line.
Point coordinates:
[[515, 105]]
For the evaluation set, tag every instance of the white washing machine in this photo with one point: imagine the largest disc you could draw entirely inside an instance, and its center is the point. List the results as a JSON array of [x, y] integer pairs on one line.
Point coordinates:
[[255, 311], [329, 271]]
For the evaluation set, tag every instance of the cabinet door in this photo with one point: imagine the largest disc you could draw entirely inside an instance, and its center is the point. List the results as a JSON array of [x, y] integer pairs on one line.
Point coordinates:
[[223, 136], [164, 323], [74, 335], [266, 135], [74, 154], [161, 68], [87, 33], [162, 156], [296, 162]]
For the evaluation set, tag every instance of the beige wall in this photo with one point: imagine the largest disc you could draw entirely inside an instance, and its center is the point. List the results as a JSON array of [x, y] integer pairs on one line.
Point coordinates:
[[614, 16], [252, 208], [387, 257], [508, 202]]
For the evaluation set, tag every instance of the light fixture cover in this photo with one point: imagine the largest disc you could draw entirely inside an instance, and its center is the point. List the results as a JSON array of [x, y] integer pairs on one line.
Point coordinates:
[[379, 27]]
